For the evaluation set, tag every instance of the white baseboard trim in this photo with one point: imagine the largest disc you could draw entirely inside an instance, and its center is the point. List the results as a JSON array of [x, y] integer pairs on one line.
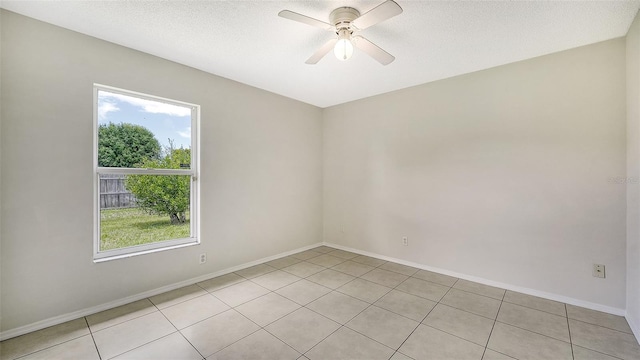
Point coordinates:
[[528, 291], [635, 327], [7, 334]]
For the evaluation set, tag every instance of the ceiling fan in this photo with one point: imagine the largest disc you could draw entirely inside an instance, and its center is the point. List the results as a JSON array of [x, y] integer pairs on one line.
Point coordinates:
[[345, 21]]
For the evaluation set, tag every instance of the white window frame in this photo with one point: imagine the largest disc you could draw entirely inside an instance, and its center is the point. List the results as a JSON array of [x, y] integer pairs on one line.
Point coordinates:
[[193, 171]]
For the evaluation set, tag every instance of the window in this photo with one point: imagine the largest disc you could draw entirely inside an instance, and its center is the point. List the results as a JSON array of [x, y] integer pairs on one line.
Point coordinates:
[[146, 172]]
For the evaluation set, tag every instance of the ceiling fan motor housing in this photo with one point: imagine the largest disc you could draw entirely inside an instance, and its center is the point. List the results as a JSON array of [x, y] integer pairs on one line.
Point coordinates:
[[342, 18]]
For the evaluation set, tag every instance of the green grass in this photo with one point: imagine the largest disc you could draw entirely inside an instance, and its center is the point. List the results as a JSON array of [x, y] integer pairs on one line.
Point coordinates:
[[130, 227]]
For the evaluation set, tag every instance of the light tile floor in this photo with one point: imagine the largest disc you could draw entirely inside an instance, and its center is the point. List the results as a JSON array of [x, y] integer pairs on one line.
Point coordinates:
[[332, 304]]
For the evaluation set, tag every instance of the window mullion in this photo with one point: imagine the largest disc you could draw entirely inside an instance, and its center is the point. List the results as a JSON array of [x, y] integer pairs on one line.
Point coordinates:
[[143, 171]]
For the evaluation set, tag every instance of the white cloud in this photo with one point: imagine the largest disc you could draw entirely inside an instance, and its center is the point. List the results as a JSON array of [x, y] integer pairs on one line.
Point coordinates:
[[186, 133], [154, 107], [105, 107]]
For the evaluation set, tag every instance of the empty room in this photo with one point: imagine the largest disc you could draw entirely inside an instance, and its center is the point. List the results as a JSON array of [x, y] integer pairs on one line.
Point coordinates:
[[356, 179]]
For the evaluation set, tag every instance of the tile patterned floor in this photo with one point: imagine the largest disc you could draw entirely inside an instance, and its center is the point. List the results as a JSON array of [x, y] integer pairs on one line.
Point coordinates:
[[332, 304]]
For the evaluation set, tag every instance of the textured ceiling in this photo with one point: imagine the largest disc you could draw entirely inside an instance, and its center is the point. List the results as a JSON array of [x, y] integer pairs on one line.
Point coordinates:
[[246, 41]]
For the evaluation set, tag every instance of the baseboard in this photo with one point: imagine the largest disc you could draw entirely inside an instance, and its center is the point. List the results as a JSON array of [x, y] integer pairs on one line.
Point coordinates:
[[635, 327], [7, 334], [528, 291]]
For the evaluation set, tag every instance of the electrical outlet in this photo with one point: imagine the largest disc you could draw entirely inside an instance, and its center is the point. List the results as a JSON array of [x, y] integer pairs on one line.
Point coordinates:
[[203, 258], [598, 270], [405, 241]]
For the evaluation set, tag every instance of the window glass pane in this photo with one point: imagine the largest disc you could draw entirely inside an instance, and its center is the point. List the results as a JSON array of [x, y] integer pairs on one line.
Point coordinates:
[[139, 133], [143, 209]]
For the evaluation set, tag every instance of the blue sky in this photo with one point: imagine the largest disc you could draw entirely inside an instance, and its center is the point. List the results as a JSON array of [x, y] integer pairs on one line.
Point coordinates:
[[164, 120]]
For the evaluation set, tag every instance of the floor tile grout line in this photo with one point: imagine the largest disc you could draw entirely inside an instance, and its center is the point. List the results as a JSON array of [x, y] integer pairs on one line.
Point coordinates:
[[504, 291], [283, 286], [253, 332], [509, 356], [233, 343], [300, 306], [275, 319], [147, 343], [304, 277], [92, 338], [486, 346], [531, 331], [356, 331], [57, 344], [325, 338], [276, 336], [573, 356], [182, 301], [429, 312], [397, 272], [600, 352], [207, 318], [305, 306], [532, 308], [385, 294], [275, 291], [125, 321], [371, 303], [353, 317], [315, 283], [333, 268], [411, 333], [187, 340], [466, 311], [91, 332], [162, 337], [301, 353], [232, 306], [421, 321], [359, 277], [439, 301], [268, 332], [457, 336], [393, 312], [475, 293], [255, 276], [367, 336], [604, 327], [224, 287]]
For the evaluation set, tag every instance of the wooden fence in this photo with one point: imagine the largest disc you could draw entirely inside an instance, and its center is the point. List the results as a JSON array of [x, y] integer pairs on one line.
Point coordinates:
[[113, 193]]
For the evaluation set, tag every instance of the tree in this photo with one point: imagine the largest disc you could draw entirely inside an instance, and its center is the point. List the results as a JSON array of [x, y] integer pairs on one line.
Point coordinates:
[[164, 194], [126, 145]]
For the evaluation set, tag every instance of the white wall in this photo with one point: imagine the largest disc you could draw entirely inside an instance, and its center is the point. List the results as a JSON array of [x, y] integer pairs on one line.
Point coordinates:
[[501, 174], [261, 172], [633, 174]]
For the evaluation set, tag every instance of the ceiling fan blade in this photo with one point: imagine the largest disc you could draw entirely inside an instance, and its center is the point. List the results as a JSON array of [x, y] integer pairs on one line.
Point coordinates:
[[382, 12], [305, 19], [373, 50], [320, 53]]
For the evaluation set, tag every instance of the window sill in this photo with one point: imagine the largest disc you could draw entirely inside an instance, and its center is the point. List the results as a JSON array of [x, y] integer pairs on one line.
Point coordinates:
[[104, 256]]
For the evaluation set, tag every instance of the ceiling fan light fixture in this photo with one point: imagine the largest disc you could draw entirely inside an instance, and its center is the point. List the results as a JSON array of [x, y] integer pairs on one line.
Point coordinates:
[[343, 50], [346, 21]]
